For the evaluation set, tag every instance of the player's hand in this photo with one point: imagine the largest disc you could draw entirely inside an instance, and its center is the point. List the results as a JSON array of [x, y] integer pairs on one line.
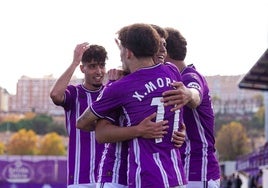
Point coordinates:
[[149, 129], [115, 74], [178, 137], [177, 97], [79, 51]]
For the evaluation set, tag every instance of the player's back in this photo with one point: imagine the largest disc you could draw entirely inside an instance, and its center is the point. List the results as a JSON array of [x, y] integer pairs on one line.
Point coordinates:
[[142, 94], [198, 151], [153, 162]]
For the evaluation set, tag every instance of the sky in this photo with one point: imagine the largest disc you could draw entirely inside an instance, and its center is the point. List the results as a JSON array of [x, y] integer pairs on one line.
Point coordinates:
[[38, 37]]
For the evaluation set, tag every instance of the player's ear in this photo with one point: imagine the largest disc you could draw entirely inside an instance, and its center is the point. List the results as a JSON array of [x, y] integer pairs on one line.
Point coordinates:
[[82, 68], [129, 53]]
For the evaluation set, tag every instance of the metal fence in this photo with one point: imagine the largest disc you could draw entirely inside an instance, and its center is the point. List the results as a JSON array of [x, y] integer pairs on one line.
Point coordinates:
[[250, 163]]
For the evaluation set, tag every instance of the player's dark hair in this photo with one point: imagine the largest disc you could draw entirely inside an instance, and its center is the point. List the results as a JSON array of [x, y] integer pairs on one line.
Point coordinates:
[[176, 44], [96, 53], [161, 31], [140, 38]]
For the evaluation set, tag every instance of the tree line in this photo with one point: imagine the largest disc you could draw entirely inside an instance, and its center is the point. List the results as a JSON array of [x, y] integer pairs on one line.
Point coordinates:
[[40, 134], [40, 123], [27, 142], [32, 134]]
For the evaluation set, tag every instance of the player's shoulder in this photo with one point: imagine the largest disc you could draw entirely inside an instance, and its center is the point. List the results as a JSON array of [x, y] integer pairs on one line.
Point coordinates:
[[169, 64], [190, 69]]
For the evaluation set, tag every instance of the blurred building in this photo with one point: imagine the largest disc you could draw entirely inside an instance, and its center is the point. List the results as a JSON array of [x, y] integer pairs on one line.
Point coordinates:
[[229, 99], [225, 88], [32, 95], [4, 95]]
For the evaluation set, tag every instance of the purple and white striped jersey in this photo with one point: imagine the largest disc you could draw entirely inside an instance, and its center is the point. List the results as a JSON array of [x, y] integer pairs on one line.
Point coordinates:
[[151, 162], [198, 150], [113, 164], [84, 153]]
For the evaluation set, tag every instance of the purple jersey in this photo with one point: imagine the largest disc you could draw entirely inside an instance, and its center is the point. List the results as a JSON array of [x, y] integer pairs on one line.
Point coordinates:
[[113, 164], [84, 153], [152, 162], [198, 151]]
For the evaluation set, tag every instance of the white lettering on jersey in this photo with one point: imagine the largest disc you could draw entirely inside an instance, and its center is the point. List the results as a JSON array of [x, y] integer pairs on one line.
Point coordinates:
[[138, 96], [152, 86]]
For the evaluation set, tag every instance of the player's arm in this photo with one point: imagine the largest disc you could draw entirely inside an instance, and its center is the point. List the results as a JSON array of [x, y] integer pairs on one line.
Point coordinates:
[[87, 121], [58, 89], [181, 96], [106, 132]]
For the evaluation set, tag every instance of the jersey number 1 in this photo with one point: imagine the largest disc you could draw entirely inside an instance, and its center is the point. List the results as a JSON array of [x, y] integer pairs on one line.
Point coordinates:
[[160, 115]]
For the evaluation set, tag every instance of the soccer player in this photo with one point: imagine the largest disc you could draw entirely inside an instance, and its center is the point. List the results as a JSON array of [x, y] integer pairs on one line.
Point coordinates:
[[152, 162], [84, 152], [198, 152]]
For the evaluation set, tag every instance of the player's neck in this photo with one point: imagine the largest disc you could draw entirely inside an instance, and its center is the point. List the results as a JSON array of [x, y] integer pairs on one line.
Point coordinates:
[[141, 63], [92, 87], [179, 64]]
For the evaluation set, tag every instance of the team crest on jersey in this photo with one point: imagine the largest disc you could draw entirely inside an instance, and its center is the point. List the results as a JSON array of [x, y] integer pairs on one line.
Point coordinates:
[[194, 85]]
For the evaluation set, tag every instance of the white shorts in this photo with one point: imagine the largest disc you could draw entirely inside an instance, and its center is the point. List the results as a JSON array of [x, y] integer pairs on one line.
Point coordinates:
[[203, 184], [181, 186], [110, 185], [84, 185]]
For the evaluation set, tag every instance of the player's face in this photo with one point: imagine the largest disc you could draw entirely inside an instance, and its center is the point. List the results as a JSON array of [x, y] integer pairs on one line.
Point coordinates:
[[94, 74], [162, 53]]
